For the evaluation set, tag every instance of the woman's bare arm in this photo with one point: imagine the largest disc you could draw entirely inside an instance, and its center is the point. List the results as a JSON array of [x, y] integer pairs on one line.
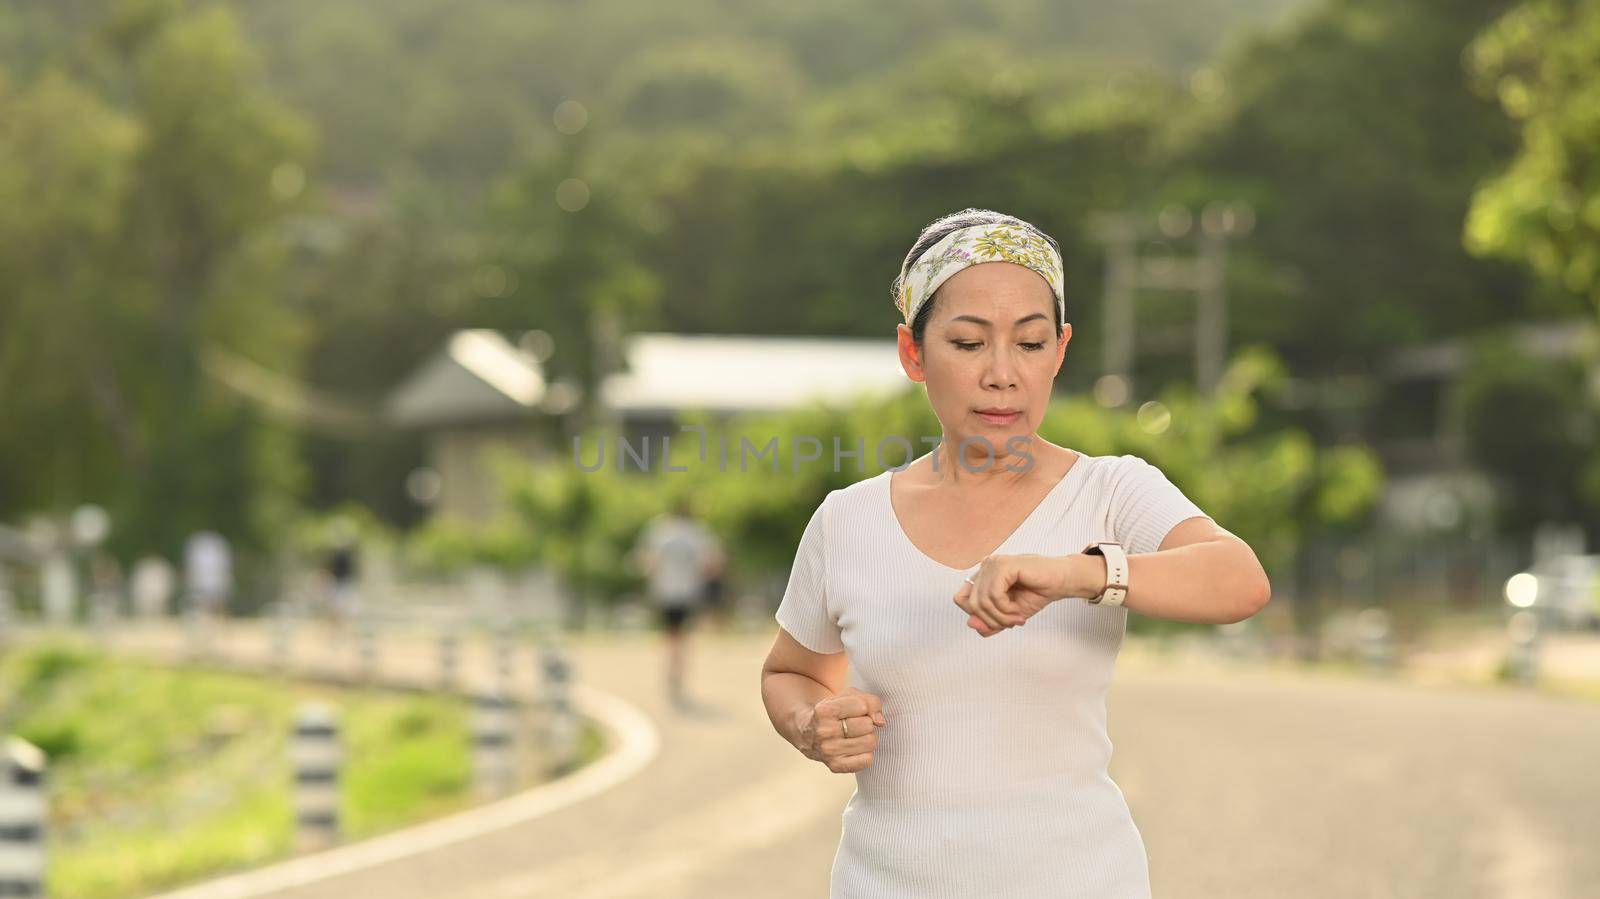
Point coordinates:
[[794, 679], [1201, 573]]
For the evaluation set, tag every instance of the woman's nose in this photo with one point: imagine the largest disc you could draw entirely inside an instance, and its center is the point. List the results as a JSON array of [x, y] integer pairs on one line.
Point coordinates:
[[999, 370]]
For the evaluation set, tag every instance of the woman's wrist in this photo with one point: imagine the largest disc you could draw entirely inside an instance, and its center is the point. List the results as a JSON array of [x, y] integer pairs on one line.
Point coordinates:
[[1082, 576], [805, 723]]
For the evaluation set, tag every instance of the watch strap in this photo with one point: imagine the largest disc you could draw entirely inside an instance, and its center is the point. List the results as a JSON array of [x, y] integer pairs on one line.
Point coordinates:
[[1116, 557]]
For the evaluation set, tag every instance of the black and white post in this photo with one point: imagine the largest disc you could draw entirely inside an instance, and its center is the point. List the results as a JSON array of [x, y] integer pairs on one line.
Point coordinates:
[[493, 743], [449, 645], [368, 650], [1522, 631], [560, 736], [505, 660], [316, 756], [282, 636], [22, 819]]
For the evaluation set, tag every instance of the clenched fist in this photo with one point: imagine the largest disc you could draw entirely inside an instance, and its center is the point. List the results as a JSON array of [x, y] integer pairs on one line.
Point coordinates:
[[842, 730], [1006, 591]]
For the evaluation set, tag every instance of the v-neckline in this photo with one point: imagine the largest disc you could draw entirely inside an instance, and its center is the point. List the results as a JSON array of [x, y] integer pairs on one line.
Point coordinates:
[[888, 502]]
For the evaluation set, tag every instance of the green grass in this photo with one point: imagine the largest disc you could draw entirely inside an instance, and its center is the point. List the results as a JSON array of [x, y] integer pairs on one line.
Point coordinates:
[[161, 776]]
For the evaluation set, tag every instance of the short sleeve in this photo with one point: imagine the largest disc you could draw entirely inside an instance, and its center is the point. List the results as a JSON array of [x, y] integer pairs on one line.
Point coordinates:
[[804, 610], [1144, 505], [654, 533]]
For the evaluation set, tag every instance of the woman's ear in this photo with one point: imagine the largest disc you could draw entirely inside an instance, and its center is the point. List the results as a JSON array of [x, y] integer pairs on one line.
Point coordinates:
[[910, 353]]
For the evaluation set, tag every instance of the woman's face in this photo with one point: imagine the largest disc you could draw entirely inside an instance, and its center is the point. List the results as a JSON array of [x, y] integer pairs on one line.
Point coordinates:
[[990, 344]]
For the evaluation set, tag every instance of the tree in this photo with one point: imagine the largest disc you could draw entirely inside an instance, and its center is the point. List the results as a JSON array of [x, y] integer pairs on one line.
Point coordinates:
[[1357, 139], [143, 196], [563, 234], [1541, 61], [66, 171]]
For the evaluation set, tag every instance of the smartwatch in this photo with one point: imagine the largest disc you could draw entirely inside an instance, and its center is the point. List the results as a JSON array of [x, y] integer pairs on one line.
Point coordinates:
[[1116, 572]]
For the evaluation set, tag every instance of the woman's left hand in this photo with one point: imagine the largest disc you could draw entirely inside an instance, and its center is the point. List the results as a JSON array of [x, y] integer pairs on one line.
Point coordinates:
[[1008, 590]]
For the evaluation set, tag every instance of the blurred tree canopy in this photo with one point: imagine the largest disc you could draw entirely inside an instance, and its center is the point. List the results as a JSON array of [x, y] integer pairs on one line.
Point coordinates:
[[1541, 62], [228, 229], [140, 199]]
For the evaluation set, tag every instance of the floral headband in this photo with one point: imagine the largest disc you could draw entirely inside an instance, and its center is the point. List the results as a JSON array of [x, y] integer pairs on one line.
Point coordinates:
[[977, 244]]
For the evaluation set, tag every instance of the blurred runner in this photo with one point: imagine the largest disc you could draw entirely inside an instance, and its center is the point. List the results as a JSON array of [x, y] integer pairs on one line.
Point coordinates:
[[153, 581], [344, 598], [208, 574], [678, 555]]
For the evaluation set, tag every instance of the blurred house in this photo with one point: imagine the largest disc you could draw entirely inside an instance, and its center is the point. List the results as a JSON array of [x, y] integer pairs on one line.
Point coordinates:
[[480, 391], [726, 375], [1430, 481], [476, 392]]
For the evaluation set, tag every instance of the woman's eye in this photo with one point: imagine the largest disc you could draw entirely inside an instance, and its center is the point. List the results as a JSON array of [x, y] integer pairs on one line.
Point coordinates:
[[970, 345]]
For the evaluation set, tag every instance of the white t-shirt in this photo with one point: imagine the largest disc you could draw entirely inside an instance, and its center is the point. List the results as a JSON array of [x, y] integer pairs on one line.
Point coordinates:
[[681, 546], [990, 778], [207, 565]]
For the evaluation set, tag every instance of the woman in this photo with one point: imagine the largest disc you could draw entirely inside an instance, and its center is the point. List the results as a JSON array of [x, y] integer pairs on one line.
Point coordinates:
[[981, 764]]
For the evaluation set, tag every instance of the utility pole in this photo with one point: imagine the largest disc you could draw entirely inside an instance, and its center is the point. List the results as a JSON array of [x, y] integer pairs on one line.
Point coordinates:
[[605, 359], [1205, 273]]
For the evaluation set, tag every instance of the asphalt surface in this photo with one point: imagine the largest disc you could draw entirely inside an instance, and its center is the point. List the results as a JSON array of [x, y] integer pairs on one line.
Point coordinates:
[[1245, 781]]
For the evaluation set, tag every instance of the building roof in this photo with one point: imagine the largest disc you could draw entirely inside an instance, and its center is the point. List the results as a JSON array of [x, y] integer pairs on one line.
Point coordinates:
[[480, 376], [477, 376], [737, 373]]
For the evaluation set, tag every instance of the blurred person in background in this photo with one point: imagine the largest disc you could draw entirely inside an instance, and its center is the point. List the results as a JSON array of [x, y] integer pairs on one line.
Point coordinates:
[[152, 584], [342, 567], [105, 588], [208, 574], [678, 555]]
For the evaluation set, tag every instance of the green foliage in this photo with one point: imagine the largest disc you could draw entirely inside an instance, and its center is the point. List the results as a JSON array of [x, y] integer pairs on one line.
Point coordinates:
[[758, 169], [1541, 62], [139, 193], [44, 668], [584, 523], [763, 475], [1267, 483], [1355, 136], [66, 161], [579, 263], [482, 78], [162, 776], [415, 762], [445, 544]]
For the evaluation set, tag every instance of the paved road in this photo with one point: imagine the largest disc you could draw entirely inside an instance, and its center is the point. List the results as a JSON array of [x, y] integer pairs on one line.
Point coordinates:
[[1245, 783]]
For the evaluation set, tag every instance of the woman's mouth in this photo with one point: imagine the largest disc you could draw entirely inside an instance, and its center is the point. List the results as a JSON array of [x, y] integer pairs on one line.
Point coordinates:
[[998, 417]]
